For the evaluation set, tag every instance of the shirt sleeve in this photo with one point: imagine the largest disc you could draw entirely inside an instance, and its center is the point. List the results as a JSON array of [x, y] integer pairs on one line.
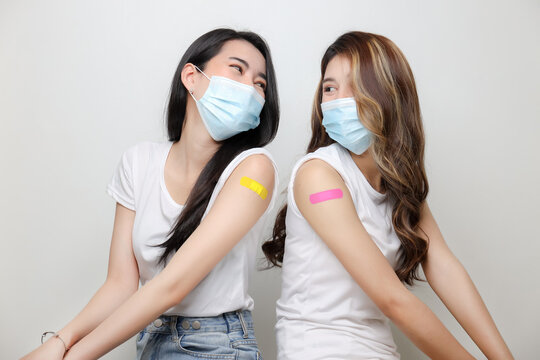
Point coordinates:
[[121, 185]]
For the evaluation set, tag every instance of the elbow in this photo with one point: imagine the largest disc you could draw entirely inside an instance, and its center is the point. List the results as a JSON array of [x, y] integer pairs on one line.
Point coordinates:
[[171, 291], [126, 286], [173, 295], [177, 280], [396, 304], [161, 293]]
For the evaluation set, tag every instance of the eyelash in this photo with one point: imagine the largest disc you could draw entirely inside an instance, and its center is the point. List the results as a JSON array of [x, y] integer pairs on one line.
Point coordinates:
[[239, 68], [241, 71]]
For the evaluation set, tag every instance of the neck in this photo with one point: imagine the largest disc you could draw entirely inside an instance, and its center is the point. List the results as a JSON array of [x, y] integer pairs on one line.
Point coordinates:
[[368, 167], [195, 147]]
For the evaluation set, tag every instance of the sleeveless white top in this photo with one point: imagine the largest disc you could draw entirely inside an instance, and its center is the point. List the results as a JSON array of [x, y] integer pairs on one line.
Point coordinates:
[[139, 184], [322, 312]]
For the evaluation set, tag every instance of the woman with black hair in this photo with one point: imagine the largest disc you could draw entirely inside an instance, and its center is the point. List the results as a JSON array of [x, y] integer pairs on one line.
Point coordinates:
[[188, 216]]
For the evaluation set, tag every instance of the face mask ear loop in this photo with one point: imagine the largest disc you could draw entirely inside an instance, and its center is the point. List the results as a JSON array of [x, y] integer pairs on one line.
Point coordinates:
[[196, 67], [191, 91]]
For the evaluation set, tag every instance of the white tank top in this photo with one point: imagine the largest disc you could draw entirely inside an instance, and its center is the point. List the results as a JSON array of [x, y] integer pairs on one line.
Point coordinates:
[[139, 184], [322, 312]]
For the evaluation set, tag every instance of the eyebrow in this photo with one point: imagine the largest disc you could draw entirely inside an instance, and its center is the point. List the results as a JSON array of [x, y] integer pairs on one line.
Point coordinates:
[[245, 63], [328, 79]]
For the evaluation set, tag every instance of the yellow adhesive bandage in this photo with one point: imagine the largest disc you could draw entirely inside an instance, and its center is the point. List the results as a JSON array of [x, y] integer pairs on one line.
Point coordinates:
[[254, 186]]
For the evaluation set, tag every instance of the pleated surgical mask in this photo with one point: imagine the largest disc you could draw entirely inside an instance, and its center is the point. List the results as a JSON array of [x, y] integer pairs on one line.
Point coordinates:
[[228, 107], [341, 121]]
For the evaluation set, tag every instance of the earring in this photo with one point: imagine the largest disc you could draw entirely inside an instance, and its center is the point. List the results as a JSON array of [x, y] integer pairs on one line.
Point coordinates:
[[191, 91]]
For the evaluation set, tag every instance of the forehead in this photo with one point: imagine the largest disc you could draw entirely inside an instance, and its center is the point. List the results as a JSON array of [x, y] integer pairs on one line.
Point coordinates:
[[244, 50], [338, 67]]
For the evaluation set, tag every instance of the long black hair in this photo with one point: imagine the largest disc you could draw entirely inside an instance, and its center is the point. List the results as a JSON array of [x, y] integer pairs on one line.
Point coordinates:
[[199, 53]]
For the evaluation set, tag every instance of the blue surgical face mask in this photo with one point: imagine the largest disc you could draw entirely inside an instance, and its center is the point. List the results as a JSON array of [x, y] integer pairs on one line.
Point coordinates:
[[340, 119], [228, 107]]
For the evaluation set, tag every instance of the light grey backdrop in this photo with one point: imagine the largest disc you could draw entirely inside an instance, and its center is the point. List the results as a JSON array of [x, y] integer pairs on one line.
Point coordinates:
[[82, 81]]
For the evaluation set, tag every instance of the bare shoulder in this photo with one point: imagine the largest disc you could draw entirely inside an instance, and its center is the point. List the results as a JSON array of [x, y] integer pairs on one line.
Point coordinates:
[[258, 164], [316, 183], [255, 174], [316, 174]]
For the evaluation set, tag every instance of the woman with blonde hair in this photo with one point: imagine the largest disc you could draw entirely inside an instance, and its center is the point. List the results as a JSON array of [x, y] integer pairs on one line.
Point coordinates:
[[357, 225]]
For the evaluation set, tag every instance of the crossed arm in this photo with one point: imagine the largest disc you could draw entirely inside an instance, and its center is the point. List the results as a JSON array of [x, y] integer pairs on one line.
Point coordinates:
[[338, 225], [113, 316]]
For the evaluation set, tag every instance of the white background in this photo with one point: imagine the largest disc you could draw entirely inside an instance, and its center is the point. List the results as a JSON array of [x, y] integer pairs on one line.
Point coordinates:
[[82, 81]]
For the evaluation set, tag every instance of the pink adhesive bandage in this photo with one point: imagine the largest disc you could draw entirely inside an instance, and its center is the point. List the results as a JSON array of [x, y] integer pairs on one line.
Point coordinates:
[[325, 195]]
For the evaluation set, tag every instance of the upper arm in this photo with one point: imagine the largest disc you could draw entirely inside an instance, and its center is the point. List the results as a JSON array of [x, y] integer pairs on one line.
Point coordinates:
[[122, 264], [234, 212], [338, 225]]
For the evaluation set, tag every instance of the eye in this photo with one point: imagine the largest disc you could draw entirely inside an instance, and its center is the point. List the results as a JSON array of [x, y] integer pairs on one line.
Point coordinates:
[[328, 89], [261, 84], [237, 67]]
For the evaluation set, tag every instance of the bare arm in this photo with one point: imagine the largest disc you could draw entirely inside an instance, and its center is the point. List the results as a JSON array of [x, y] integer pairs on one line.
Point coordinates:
[[233, 214], [122, 281], [452, 284], [338, 225]]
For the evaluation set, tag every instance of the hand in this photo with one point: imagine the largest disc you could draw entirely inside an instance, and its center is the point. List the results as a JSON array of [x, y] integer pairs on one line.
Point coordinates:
[[52, 349]]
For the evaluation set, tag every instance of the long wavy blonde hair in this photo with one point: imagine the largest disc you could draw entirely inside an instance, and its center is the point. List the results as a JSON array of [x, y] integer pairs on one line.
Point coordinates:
[[385, 92]]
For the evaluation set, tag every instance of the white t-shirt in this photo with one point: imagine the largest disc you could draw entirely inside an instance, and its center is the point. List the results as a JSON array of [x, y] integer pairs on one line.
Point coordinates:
[[139, 184], [322, 312]]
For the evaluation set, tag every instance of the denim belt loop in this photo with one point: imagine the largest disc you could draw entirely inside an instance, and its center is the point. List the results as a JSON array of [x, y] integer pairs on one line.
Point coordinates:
[[174, 330], [243, 323]]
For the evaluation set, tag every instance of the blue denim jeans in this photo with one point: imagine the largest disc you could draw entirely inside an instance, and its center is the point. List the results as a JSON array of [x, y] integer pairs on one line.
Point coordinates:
[[227, 336]]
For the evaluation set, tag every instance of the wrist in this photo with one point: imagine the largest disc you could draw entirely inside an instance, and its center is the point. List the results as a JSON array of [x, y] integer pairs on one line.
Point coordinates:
[[58, 339], [58, 344], [67, 337]]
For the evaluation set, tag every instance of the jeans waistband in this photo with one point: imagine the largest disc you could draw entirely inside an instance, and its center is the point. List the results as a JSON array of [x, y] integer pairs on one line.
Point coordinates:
[[239, 320]]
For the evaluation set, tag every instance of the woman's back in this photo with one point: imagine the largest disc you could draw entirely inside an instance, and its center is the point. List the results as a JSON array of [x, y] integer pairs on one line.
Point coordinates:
[[322, 312]]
